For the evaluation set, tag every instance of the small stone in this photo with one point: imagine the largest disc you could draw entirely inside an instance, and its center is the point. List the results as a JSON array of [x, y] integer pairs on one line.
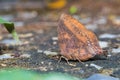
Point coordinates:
[[5, 56], [25, 55], [49, 63], [86, 65], [43, 68], [101, 77], [42, 62], [96, 66], [7, 17], [40, 51], [54, 38], [25, 35], [51, 68], [103, 44], [85, 20], [116, 50], [49, 53], [19, 24], [3, 65], [110, 36], [101, 20], [54, 42], [92, 27], [109, 55], [10, 42]]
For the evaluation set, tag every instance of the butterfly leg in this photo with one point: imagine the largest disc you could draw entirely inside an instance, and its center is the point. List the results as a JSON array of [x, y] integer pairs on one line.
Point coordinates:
[[66, 60], [59, 59], [80, 61], [63, 58]]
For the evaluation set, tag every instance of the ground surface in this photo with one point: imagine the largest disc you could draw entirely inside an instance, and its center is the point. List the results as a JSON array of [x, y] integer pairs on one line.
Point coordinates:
[[36, 33]]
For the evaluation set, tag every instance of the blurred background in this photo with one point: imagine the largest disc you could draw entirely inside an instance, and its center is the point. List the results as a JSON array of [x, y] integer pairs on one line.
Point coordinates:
[[103, 14], [36, 22]]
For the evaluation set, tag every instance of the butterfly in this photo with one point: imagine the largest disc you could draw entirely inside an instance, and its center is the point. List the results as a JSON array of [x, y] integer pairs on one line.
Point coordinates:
[[75, 41]]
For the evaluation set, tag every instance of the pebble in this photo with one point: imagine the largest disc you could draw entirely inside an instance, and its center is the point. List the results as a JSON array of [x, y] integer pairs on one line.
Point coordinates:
[[116, 50], [92, 27], [106, 35], [40, 51], [96, 66], [25, 55], [18, 24], [85, 20], [103, 44], [54, 38], [43, 68], [101, 20], [54, 42], [7, 17], [42, 62], [5, 56], [101, 77], [4, 65], [25, 35], [49, 53], [10, 42]]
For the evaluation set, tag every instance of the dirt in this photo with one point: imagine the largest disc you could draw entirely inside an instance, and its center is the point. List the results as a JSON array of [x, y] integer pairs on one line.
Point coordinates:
[[44, 27]]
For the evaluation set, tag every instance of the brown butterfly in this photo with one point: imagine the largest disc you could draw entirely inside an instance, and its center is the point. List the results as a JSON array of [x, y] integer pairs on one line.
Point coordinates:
[[75, 41]]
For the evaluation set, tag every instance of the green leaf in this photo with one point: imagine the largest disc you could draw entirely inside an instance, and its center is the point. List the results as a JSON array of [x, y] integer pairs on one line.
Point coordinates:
[[21, 74], [10, 28], [18, 74], [58, 76], [73, 10]]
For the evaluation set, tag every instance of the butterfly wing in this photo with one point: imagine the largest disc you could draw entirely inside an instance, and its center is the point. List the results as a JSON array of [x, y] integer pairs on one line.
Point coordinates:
[[75, 41]]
